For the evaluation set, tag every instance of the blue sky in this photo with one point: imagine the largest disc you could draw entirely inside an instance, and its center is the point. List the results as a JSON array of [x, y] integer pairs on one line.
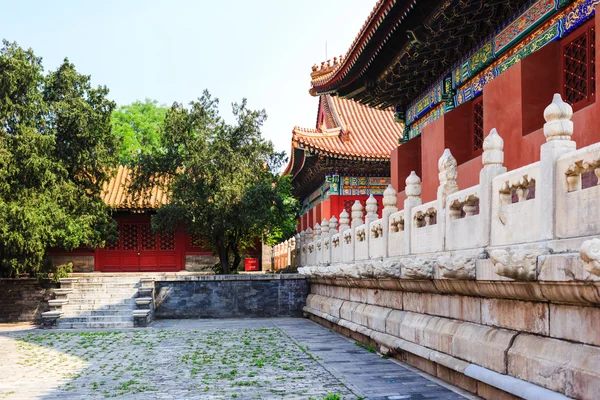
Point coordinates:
[[171, 50]]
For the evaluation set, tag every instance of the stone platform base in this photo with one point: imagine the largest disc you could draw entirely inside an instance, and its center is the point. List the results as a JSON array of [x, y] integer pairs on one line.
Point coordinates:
[[457, 379], [486, 345]]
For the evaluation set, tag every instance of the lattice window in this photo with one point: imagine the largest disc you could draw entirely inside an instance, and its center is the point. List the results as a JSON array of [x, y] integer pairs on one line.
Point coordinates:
[[196, 240], [148, 238], [579, 58], [167, 241], [478, 124], [129, 236], [112, 246]]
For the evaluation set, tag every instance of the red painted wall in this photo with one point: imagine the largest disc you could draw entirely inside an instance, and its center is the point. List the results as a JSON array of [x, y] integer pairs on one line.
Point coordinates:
[[513, 103], [432, 147], [404, 159], [468, 173], [458, 133]]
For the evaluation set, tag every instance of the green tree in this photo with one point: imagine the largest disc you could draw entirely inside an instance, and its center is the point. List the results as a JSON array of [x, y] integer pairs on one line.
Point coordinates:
[[222, 178], [56, 151], [138, 127]]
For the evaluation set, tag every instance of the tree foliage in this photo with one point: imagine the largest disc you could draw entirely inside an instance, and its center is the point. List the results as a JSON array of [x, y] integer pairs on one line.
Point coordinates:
[[222, 178], [138, 127], [56, 151]]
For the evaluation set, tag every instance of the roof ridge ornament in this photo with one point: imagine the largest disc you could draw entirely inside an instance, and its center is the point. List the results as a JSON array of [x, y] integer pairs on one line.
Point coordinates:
[[326, 66]]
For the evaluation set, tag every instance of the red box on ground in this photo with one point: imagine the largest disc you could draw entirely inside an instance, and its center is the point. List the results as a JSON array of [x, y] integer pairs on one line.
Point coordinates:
[[251, 264]]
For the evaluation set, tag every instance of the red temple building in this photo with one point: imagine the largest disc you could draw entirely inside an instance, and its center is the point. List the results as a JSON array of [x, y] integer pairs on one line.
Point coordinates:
[[453, 70], [138, 248], [345, 158]]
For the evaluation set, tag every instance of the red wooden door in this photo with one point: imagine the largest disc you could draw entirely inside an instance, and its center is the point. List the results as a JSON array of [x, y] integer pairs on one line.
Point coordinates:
[[140, 249]]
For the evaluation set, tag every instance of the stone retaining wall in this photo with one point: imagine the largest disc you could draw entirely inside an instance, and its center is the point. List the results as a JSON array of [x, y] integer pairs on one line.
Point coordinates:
[[473, 333], [230, 296], [24, 300]]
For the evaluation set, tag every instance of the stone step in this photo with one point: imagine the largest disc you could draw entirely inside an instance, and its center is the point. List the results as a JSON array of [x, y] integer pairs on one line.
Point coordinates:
[[97, 301], [143, 301], [96, 313], [98, 319], [107, 280], [99, 293], [85, 325], [105, 289], [103, 296], [51, 314], [102, 300], [91, 307], [62, 292]]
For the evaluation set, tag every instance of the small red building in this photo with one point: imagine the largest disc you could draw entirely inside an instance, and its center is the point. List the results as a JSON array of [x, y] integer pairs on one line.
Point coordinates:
[[344, 158], [139, 249]]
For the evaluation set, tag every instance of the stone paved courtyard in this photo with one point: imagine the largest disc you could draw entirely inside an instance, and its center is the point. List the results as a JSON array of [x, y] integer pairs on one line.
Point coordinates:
[[203, 359]]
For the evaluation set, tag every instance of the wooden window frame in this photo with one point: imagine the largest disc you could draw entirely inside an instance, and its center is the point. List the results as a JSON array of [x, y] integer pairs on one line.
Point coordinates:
[[476, 150], [586, 29]]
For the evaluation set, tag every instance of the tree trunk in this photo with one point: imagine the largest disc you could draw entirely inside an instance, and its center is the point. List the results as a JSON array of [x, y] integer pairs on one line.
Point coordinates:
[[234, 249], [237, 258], [223, 256]]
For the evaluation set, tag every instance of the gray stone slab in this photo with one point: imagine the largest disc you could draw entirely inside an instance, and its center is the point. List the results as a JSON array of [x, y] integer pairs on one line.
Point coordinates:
[[369, 375], [195, 359]]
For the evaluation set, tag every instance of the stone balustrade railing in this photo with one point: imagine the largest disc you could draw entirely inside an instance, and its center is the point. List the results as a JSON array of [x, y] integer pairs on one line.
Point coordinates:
[[284, 254], [542, 201]]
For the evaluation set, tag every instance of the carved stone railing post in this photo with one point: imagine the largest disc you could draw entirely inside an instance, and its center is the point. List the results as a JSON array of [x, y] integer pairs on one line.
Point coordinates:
[[492, 159], [293, 251], [413, 199], [558, 130], [308, 235], [371, 210], [389, 207], [448, 168], [324, 228], [344, 221], [317, 233], [301, 259], [333, 226], [297, 242], [357, 214], [323, 258]]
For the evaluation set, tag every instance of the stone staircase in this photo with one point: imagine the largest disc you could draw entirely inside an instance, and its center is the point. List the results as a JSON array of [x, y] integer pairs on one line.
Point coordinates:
[[101, 302]]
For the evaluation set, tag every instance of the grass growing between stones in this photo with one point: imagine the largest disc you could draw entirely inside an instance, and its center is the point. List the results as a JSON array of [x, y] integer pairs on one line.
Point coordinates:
[[216, 364]]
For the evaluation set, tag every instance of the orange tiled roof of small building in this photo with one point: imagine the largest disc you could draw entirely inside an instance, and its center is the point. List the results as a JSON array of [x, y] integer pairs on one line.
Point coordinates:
[[350, 130], [115, 193]]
